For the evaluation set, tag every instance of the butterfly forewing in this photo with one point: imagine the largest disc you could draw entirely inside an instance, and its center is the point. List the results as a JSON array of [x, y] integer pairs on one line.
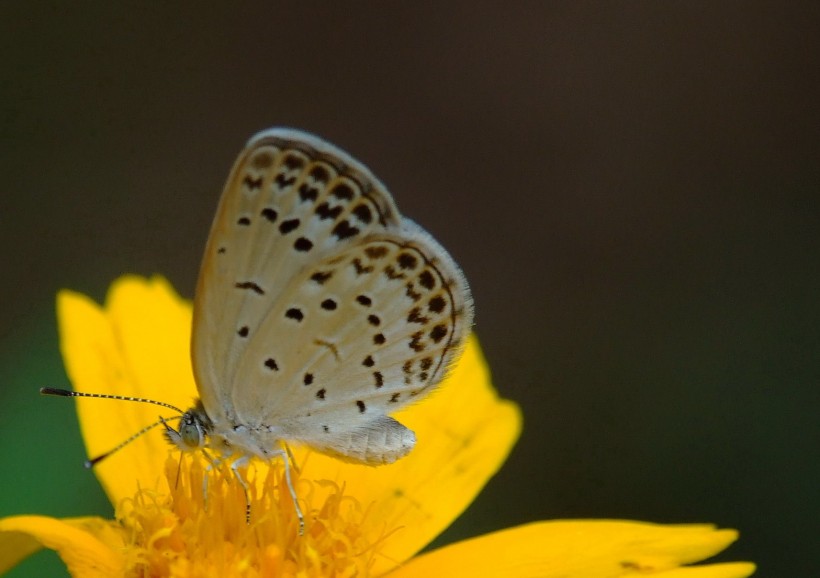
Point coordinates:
[[319, 309]]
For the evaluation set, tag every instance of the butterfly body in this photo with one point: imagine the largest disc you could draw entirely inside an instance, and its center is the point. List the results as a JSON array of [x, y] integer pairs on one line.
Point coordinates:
[[319, 309]]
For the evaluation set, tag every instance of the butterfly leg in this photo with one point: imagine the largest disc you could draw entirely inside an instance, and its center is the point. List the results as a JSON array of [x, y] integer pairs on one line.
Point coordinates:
[[286, 457], [235, 465], [212, 464]]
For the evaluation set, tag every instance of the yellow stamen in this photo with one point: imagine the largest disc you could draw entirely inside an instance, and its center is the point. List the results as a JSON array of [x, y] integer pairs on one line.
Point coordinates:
[[195, 531]]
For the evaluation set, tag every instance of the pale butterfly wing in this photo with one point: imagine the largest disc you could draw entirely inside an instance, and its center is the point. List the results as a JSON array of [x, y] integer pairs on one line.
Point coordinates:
[[319, 309]]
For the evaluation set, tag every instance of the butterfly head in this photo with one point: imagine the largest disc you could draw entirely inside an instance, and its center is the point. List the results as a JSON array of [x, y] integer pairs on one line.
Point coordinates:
[[194, 428]]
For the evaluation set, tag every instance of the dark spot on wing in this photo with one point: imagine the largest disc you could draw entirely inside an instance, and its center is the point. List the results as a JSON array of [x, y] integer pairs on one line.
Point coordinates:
[[243, 331], [321, 276], [302, 244], [368, 361], [307, 193], [438, 333], [325, 212], [437, 304], [270, 214], [343, 192], [244, 221], [364, 300], [294, 313], [415, 316], [411, 292], [363, 213], [361, 269], [251, 183], [376, 252], [416, 343], [343, 230], [391, 273], [250, 285], [284, 181], [294, 162], [270, 363], [319, 173], [308, 379], [360, 404], [321, 393], [407, 261], [288, 226], [329, 305], [427, 280]]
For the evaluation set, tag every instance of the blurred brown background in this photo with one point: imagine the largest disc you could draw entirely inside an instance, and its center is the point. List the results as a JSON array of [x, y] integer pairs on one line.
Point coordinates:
[[631, 189]]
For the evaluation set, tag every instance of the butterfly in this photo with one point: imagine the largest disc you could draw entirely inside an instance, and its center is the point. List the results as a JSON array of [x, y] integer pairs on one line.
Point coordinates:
[[319, 310]]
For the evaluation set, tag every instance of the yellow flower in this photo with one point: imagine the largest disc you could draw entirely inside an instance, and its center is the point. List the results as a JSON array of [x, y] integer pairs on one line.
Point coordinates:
[[360, 521]]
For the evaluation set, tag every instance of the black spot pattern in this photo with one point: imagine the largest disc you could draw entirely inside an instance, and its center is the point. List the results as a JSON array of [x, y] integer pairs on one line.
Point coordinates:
[[376, 252], [243, 331], [288, 226], [379, 378], [250, 285], [391, 273], [270, 363], [284, 181], [303, 244], [329, 305], [343, 230], [368, 361], [251, 183], [374, 320], [321, 393], [294, 313], [270, 214], [308, 379], [325, 212], [362, 407], [363, 213], [407, 261], [364, 300], [427, 280], [244, 221], [343, 192], [321, 276], [438, 333], [361, 269], [379, 339], [308, 194], [437, 304]]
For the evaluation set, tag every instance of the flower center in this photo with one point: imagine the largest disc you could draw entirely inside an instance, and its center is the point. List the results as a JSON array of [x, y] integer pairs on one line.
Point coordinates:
[[200, 527]]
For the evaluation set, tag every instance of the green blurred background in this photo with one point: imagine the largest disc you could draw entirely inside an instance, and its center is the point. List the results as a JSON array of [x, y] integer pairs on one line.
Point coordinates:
[[631, 189]]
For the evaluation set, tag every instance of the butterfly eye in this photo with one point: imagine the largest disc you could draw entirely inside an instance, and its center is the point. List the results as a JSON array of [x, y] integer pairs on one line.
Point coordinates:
[[192, 432]]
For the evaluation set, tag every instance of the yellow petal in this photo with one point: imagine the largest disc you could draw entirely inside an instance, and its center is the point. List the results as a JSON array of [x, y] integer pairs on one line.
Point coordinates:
[[588, 549], [76, 542], [137, 345], [464, 433]]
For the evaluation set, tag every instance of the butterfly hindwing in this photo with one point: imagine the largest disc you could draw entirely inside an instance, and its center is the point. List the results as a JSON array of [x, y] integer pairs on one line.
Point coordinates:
[[319, 309]]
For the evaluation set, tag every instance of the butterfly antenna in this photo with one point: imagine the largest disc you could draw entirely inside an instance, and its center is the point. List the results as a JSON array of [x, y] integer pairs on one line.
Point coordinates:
[[68, 393], [162, 421]]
